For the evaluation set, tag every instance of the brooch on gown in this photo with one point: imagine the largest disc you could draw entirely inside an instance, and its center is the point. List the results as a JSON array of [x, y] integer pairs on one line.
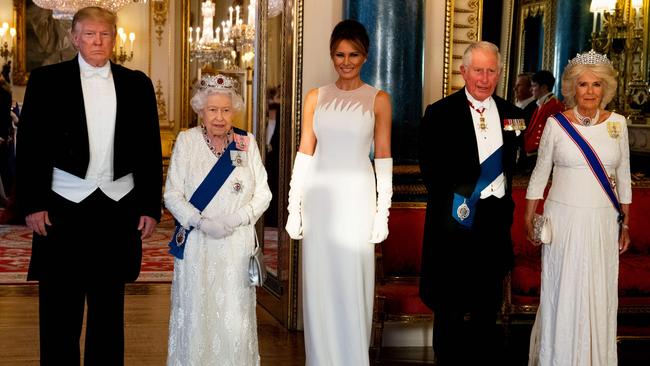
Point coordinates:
[[614, 129], [237, 186], [241, 142], [238, 158]]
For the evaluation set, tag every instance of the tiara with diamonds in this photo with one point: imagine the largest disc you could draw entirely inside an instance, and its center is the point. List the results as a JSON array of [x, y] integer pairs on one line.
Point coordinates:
[[590, 58], [218, 81]]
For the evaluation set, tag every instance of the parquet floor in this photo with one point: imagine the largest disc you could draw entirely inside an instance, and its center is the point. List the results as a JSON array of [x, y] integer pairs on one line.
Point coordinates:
[[146, 319]]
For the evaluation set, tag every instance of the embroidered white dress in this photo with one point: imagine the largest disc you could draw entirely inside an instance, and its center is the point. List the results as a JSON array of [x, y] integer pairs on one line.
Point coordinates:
[[338, 209], [576, 320], [213, 307]]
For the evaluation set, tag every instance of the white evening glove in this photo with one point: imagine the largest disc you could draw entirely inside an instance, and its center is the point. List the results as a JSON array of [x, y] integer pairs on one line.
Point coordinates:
[[384, 174], [236, 219], [294, 221], [216, 228]]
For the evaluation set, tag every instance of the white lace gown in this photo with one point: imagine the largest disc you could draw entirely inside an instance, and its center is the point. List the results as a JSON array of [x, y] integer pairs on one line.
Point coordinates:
[[576, 319], [338, 209], [213, 307]]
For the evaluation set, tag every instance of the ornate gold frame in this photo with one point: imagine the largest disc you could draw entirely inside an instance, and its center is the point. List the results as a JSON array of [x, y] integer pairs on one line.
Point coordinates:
[[19, 74], [547, 9], [463, 19]]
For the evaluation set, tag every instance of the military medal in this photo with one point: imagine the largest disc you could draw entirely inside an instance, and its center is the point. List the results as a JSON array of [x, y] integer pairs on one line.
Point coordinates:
[[481, 124], [614, 129], [463, 210]]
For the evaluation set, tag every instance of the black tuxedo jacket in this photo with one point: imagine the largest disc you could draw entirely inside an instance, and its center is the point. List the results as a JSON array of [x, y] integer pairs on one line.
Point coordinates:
[[449, 162], [53, 133]]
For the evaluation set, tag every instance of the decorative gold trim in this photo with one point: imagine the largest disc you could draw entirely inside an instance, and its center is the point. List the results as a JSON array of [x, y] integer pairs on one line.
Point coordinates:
[[463, 19], [530, 9], [185, 66], [162, 105], [19, 74], [160, 9], [506, 46]]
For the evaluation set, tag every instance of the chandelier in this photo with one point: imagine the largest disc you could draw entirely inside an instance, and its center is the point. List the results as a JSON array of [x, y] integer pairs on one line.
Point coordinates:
[[65, 9], [222, 44], [618, 31]]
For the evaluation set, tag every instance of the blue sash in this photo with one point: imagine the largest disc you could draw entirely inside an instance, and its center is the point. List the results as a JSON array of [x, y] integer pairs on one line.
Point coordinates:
[[204, 194], [463, 209], [592, 160]]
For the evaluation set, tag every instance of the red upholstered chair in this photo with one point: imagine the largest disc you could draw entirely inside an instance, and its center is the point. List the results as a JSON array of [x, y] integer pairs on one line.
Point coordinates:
[[398, 273]]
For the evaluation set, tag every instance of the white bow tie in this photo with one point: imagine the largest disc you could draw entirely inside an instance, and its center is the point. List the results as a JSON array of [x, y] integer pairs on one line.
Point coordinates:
[[101, 72]]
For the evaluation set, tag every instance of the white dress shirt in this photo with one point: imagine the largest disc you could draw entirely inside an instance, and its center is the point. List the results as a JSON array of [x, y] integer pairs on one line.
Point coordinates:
[[488, 140], [100, 105]]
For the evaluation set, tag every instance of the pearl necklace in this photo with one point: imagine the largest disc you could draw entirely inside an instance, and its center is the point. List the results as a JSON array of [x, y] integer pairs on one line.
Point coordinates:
[[584, 120], [211, 146]]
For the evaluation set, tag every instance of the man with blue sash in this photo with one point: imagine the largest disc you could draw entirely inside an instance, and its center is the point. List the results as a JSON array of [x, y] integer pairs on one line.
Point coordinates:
[[468, 149]]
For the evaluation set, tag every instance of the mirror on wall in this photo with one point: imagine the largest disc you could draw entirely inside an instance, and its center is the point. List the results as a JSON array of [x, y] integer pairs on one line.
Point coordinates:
[[534, 36], [219, 38], [273, 123]]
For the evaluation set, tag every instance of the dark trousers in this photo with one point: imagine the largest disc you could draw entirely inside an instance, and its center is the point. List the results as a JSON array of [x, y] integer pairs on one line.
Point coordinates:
[[61, 312], [464, 329], [466, 335]]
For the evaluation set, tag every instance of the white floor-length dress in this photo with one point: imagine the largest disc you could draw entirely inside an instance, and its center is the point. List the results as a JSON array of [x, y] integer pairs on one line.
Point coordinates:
[[576, 319], [338, 209], [213, 318]]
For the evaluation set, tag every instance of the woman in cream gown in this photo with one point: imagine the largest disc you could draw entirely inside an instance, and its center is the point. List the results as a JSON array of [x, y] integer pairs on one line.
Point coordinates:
[[576, 319], [213, 305]]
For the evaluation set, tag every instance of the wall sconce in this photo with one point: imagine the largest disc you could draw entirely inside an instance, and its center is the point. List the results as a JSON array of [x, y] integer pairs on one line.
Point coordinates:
[[7, 36], [618, 32], [120, 55]]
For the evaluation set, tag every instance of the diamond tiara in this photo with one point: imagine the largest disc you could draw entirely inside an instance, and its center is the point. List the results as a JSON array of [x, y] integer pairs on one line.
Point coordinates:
[[218, 81], [590, 58]]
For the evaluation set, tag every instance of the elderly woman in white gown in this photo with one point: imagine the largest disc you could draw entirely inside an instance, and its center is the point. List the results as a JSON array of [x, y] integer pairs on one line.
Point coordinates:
[[213, 305], [576, 319]]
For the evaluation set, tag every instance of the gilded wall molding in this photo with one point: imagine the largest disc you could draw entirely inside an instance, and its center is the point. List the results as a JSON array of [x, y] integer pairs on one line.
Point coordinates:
[[159, 10], [161, 103], [546, 9], [19, 72], [463, 19], [506, 46]]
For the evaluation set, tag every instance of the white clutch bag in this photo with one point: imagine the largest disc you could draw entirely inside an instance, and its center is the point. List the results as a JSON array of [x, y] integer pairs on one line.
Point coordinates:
[[542, 232]]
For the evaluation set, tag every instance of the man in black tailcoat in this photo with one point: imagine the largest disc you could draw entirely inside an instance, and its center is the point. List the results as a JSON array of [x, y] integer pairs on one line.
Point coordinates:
[[468, 148], [89, 181]]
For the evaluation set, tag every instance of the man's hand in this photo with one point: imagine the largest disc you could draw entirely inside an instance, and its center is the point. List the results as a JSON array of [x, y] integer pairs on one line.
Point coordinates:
[[37, 222], [147, 225]]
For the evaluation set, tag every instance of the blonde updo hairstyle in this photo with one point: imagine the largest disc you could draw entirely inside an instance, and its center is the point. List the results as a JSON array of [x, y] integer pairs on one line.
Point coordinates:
[[604, 72]]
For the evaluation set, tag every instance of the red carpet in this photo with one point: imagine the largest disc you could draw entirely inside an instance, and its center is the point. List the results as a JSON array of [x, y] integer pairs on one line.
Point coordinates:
[[16, 243], [157, 264]]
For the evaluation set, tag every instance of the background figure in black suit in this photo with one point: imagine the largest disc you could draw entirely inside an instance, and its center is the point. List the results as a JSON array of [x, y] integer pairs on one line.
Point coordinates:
[[463, 267], [6, 143], [89, 180]]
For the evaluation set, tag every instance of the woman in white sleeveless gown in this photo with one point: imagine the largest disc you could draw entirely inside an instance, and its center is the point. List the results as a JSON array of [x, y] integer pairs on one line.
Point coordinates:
[[576, 319], [334, 205]]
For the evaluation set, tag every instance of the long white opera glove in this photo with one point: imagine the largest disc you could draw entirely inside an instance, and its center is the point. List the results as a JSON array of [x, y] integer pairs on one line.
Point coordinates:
[[294, 221], [216, 228], [384, 174]]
